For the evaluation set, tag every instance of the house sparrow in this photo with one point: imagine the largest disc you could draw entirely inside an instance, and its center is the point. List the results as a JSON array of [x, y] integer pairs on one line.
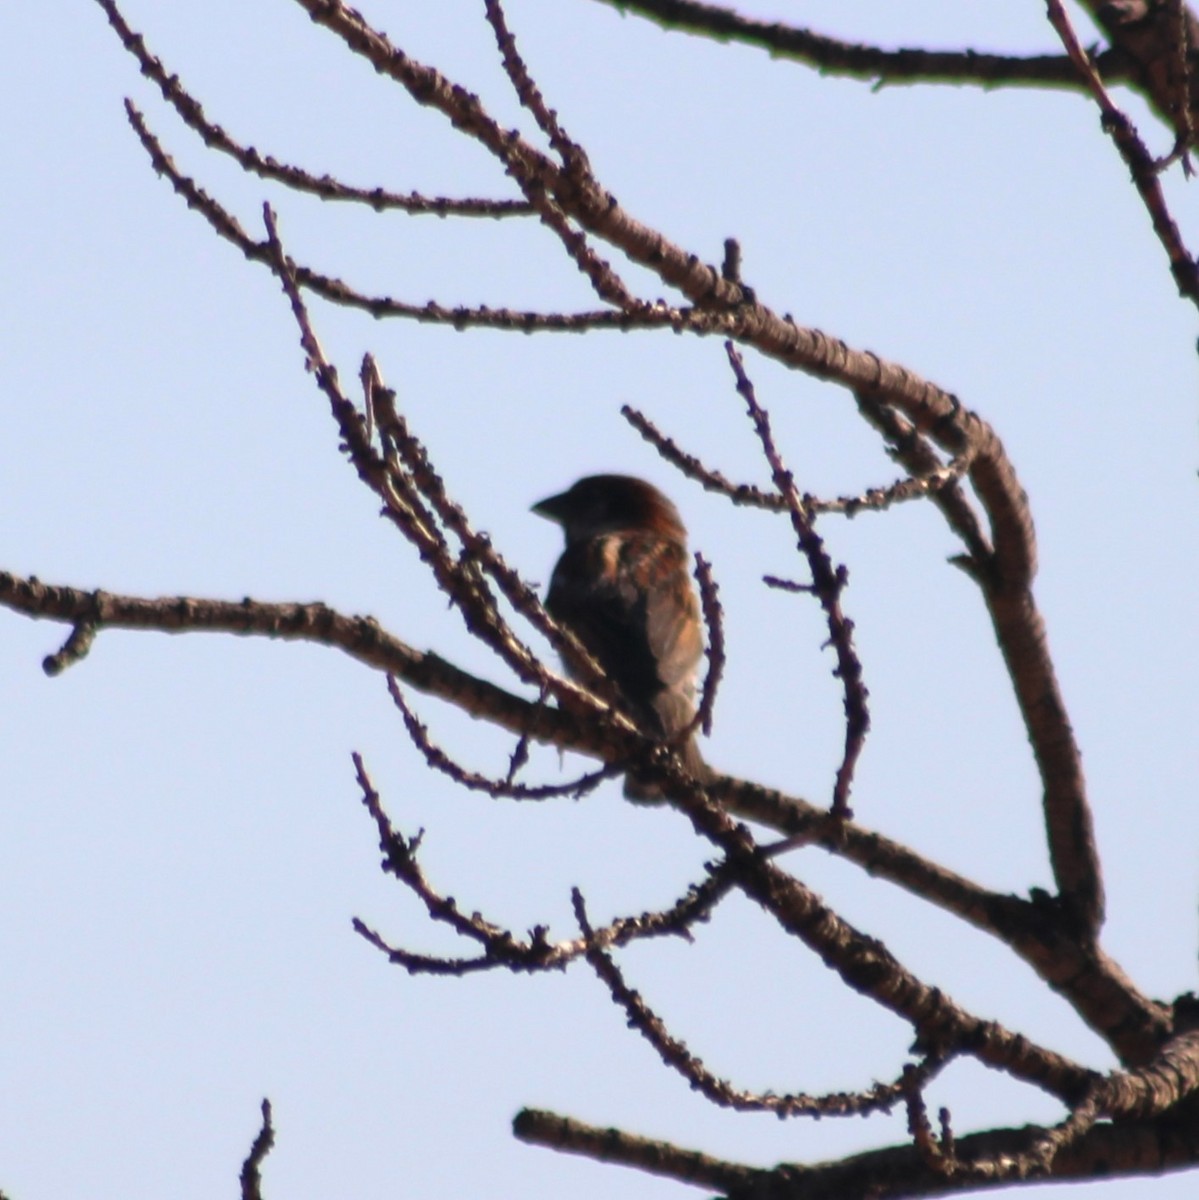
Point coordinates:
[[623, 588]]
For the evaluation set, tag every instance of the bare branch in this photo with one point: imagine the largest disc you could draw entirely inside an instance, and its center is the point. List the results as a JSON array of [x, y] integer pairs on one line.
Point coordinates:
[[573, 157], [1169, 1079], [721, 307], [500, 948], [439, 760], [943, 1028], [827, 585], [865, 964], [606, 283], [915, 452], [300, 180], [873, 499], [404, 495], [1040, 931], [75, 648], [1103, 995], [1038, 1159], [1133, 1149], [1004, 572], [941, 445], [712, 481], [361, 638], [1098, 989], [655, 1157], [920, 1127], [336, 291], [674, 1053], [426, 964], [832, 56], [399, 859], [251, 1170], [713, 620], [415, 473]]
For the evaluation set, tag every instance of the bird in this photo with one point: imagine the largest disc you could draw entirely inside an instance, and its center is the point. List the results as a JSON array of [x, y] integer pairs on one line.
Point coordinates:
[[622, 587]]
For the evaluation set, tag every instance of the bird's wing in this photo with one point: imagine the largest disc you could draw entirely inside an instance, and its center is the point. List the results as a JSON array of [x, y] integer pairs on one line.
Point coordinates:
[[674, 629], [629, 600]]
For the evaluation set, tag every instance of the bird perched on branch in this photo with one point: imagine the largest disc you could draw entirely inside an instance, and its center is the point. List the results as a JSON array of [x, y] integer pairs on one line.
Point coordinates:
[[622, 587]]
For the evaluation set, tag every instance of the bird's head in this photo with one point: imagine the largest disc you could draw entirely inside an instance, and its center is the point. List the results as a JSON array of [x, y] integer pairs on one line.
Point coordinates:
[[600, 504]]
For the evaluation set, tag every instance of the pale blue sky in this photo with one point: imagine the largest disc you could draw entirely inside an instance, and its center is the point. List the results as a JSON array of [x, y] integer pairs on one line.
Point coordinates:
[[181, 843]]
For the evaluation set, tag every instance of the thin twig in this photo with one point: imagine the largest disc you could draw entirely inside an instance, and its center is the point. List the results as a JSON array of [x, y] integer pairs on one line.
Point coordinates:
[[605, 281], [833, 56], [76, 647], [713, 620], [674, 1054], [460, 578], [873, 499], [573, 156], [440, 761], [500, 948], [828, 582], [651, 316], [251, 1169], [919, 1126], [266, 167], [413, 471]]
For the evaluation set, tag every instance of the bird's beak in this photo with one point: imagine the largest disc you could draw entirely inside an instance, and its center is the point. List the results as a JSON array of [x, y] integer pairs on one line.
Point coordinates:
[[552, 508]]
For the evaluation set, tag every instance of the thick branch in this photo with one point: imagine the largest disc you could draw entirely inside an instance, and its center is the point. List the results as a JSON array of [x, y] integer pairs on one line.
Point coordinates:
[[362, 638], [1004, 571], [540, 1128], [1130, 1149], [1094, 985], [863, 963], [866, 965]]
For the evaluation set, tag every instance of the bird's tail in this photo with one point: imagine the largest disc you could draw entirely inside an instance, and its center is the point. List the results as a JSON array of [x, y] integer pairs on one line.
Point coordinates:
[[672, 713]]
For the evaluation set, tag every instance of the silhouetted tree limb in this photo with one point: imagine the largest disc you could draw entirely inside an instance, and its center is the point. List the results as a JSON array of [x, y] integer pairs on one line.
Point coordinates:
[[1133, 1148], [266, 167], [251, 1171], [857, 60]]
